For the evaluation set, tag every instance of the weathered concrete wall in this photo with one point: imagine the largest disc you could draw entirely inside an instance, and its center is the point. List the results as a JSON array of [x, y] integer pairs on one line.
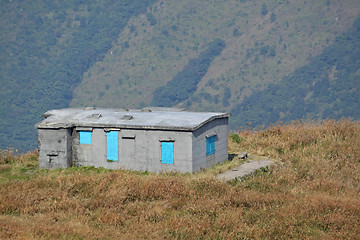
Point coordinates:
[[138, 150], [55, 148], [89, 154], [221, 128]]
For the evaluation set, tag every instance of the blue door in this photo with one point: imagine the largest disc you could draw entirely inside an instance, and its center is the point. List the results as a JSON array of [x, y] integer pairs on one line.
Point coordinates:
[[112, 143], [210, 145], [167, 152]]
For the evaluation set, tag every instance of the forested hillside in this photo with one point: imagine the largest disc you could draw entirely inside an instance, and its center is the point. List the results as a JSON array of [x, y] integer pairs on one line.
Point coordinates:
[[264, 44], [327, 87], [262, 60], [46, 46], [184, 83]]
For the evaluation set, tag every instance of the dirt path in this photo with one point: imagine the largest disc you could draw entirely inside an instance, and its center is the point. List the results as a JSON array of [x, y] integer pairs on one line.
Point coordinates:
[[245, 169]]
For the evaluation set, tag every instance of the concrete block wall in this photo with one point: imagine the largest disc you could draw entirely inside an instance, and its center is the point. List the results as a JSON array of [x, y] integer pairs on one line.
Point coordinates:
[[55, 148], [148, 151], [221, 129], [90, 154], [138, 150]]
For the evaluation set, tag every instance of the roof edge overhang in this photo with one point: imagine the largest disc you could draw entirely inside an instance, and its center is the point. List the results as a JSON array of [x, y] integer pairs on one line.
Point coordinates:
[[42, 125], [225, 115]]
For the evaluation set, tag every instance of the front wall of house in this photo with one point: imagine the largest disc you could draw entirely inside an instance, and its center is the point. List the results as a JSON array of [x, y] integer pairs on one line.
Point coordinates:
[[137, 150], [219, 129], [55, 148]]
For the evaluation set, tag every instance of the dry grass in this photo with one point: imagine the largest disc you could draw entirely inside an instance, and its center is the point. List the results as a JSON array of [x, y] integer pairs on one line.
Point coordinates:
[[314, 195]]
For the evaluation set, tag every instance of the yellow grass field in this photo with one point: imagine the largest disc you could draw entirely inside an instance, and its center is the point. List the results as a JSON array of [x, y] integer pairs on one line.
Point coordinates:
[[313, 193]]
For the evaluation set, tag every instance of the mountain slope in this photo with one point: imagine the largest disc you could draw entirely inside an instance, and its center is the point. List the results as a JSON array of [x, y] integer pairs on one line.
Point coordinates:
[[265, 41], [45, 48], [327, 87], [134, 53]]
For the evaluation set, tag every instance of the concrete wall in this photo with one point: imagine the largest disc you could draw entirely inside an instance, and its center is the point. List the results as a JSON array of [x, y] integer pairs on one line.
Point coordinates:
[[220, 128], [138, 150], [55, 148], [89, 154]]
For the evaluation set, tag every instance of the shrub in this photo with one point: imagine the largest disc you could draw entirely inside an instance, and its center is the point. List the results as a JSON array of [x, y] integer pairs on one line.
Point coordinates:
[[236, 138]]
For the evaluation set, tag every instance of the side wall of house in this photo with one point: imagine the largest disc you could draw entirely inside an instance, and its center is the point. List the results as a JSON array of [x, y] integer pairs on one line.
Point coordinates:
[[137, 150], [218, 128], [55, 148]]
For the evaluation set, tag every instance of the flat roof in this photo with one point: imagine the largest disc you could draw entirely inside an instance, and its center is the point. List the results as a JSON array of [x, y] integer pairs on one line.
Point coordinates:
[[147, 118]]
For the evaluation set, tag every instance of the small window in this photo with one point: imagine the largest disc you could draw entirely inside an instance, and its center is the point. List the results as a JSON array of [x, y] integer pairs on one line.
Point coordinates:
[[210, 145], [167, 152], [85, 137]]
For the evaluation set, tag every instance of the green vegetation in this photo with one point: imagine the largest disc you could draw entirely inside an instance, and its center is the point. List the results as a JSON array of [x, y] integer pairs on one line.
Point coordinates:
[[235, 138], [184, 84], [17, 167], [46, 48], [129, 54], [266, 41], [312, 194], [332, 79]]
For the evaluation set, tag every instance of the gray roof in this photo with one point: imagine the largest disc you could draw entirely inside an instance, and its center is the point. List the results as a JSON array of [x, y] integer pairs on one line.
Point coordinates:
[[147, 118]]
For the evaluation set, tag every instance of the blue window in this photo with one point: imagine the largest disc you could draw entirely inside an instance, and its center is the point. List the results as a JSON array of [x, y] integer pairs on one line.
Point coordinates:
[[167, 152], [112, 145], [210, 145], [85, 137]]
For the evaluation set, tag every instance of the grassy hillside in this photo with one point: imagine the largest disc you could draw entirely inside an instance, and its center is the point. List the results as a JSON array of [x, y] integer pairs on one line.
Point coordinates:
[[312, 194], [265, 41]]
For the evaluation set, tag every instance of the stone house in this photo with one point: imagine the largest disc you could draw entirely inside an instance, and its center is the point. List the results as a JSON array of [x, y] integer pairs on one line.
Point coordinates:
[[150, 139]]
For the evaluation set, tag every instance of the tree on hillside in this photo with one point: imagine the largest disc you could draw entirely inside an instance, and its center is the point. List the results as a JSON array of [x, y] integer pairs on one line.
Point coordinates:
[[264, 10]]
